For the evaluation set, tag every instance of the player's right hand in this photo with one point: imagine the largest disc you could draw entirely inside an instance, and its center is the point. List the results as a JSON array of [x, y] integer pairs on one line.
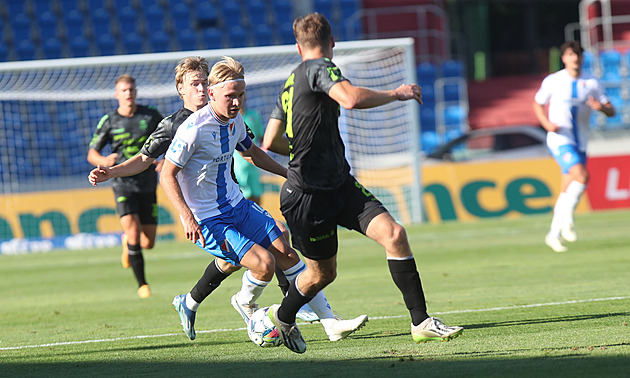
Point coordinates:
[[98, 174]]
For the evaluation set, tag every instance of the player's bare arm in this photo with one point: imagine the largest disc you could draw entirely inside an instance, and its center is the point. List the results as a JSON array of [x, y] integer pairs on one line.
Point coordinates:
[[351, 97], [95, 158], [263, 161], [274, 139], [174, 193], [130, 167], [606, 108], [541, 114]]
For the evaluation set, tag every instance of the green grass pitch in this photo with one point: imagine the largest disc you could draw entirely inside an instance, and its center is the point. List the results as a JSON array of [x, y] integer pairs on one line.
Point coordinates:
[[527, 311]]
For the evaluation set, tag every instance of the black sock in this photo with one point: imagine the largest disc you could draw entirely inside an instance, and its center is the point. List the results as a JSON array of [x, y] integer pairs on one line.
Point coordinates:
[[406, 277], [210, 280], [136, 260], [291, 304], [282, 281]]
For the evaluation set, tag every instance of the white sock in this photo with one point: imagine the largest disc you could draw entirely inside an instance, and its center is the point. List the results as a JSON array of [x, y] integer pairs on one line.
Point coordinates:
[[573, 193], [250, 290], [319, 303], [558, 216], [191, 303]]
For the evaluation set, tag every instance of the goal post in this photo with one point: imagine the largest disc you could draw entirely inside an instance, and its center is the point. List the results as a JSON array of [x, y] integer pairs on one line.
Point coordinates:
[[49, 110]]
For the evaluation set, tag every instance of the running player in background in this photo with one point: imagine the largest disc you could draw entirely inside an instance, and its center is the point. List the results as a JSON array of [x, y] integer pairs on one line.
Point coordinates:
[[320, 193], [571, 95], [126, 129]]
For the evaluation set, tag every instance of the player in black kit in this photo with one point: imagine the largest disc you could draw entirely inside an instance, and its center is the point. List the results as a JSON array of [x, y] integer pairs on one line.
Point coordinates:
[[320, 194], [126, 129]]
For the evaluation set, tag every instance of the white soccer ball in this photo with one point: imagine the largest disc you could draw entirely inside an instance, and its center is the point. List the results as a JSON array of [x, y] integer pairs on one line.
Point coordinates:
[[261, 330]]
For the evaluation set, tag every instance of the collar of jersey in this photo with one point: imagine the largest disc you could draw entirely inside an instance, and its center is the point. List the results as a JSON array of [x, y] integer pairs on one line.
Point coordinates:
[[221, 123]]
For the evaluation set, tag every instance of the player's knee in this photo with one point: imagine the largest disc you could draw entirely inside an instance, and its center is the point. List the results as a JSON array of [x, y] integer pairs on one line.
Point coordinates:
[[226, 267]]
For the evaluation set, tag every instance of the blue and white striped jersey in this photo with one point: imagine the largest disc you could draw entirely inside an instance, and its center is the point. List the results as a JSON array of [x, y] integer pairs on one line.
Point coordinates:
[[203, 148]]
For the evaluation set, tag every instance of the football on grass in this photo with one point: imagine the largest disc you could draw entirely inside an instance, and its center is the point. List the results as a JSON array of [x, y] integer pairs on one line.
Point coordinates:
[[261, 330]]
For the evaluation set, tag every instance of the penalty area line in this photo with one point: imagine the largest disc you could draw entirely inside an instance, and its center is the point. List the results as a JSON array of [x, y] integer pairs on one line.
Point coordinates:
[[534, 305]]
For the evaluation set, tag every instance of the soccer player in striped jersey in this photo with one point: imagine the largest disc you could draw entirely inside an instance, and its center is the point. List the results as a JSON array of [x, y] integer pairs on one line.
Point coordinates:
[[126, 129], [571, 96], [320, 194]]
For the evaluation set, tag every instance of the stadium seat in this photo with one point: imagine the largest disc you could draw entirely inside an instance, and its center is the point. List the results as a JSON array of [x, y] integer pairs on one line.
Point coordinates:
[[15, 7], [237, 36], [231, 12], [427, 118], [21, 27], [207, 15], [42, 6], [351, 26], [587, 63], [451, 92], [106, 45], [154, 16], [52, 48], [212, 38], [132, 43], [4, 52], [74, 24], [454, 117], [187, 40], [429, 140], [25, 50], [257, 13], [452, 68], [326, 7], [67, 5], [286, 34], [47, 23], [181, 17], [79, 46], [283, 12], [159, 41], [427, 73], [127, 21], [100, 22], [263, 35], [610, 62], [428, 95]]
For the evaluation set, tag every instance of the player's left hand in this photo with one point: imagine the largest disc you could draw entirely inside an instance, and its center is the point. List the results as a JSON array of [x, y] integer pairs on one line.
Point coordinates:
[[594, 104], [409, 92], [158, 165]]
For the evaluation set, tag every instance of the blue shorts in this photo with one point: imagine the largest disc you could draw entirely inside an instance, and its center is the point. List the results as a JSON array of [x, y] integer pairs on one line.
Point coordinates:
[[567, 156], [230, 235]]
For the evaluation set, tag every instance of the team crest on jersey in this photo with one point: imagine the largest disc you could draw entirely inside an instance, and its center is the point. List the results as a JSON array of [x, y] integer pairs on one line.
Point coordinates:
[[226, 247], [232, 128]]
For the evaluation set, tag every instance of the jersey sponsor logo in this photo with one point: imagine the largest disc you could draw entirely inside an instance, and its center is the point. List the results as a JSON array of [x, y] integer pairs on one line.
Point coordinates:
[[118, 130], [177, 146], [334, 73], [322, 237], [223, 158]]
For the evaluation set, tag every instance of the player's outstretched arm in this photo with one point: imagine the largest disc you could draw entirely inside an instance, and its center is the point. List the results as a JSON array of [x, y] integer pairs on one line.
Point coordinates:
[[274, 139], [130, 167], [351, 97]]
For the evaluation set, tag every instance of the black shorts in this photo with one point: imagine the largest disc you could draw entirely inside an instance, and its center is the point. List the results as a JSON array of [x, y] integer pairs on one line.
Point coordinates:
[[313, 217], [143, 204]]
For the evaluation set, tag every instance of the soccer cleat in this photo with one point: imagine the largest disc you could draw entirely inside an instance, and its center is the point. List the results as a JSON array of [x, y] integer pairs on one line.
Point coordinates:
[[307, 314], [340, 328], [555, 243], [289, 333], [186, 316], [245, 311], [144, 291], [434, 329], [124, 259], [568, 233]]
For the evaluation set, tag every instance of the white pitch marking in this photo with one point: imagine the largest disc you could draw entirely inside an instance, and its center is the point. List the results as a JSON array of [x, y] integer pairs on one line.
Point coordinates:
[[371, 318]]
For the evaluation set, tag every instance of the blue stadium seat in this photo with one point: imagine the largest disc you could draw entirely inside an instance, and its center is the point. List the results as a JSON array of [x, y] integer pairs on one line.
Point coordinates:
[[231, 12], [427, 73], [47, 23], [263, 35], [181, 16], [351, 26], [25, 50], [100, 22], [257, 12], [154, 16], [15, 7], [132, 43], [610, 62], [587, 63], [127, 21], [451, 92], [429, 140], [42, 6], [427, 118], [452, 68], [187, 40], [237, 36], [68, 5], [207, 15], [283, 12], [106, 44], [159, 41], [4, 52], [212, 38], [21, 27], [79, 46], [428, 95], [326, 8], [52, 48], [286, 34], [454, 116], [74, 23]]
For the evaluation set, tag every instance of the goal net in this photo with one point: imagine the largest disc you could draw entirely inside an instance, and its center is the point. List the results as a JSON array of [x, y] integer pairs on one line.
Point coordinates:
[[49, 111]]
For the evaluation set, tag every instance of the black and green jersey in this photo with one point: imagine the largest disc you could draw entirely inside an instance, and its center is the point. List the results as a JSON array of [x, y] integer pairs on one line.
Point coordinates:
[[161, 138], [126, 135], [316, 150]]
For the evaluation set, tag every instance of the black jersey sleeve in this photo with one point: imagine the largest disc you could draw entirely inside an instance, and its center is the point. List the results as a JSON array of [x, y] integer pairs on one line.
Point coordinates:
[[160, 139], [101, 136], [322, 74]]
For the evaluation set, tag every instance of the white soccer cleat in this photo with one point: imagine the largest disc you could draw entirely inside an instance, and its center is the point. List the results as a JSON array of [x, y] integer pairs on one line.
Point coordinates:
[[245, 311], [434, 329], [342, 328], [568, 233], [307, 314], [555, 243]]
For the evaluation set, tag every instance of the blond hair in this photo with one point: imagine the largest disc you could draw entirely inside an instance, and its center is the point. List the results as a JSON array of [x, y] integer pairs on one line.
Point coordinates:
[[312, 30], [226, 69], [125, 78], [188, 65]]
